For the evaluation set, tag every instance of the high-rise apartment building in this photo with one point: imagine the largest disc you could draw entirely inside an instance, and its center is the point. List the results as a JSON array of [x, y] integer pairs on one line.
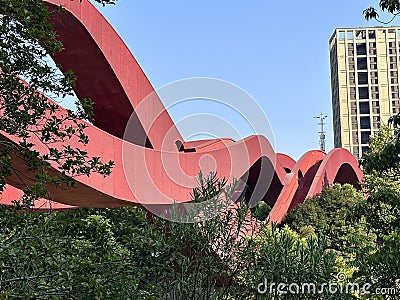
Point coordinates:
[[365, 83]]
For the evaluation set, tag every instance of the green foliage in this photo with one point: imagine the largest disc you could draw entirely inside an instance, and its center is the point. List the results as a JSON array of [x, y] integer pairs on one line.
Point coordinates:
[[208, 188], [122, 254], [395, 122], [391, 6], [261, 211], [331, 215], [383, 159], [381, 210], [91, 254], [203, 256], [284, 257], [118, 254], [27, 79], [307, 231], [382, 267], [382, 181]]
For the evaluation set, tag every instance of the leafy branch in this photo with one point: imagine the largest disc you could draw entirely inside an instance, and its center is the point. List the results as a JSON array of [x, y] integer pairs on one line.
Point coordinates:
[[27, 81]]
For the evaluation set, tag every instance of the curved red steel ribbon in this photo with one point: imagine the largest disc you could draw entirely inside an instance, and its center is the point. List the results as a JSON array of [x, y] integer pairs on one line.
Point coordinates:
[[154, 166]]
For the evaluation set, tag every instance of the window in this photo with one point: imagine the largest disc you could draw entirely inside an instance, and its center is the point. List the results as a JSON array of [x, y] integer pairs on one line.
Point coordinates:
[[355, 137], [355, 151], [364, 107], [362, 77], [361, 49], [352, 79], [353, 108], [376, 121], [362, 63], [395, 91], [375, 107], [374, 77], [392, 48], [354, 123], [393, 62], [396, 106], [393, 77], [363, 93], [350, 49], [373, 63], [371, 34], [374, 92], [351, 63], [360, 34], [372, 48], [349, 35], [365, 123], [353, 93], [365, 137], [341, 35]]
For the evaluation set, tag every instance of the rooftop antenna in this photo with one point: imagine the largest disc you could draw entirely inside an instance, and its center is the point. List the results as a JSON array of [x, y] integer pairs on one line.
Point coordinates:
[[322, 132]]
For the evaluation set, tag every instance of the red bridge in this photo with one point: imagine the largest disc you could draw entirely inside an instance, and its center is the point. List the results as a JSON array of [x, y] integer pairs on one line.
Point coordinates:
[[154, 166]]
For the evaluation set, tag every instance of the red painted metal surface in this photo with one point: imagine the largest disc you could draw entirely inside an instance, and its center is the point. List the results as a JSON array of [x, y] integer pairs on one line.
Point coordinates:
[[154, 166], [314, 171]]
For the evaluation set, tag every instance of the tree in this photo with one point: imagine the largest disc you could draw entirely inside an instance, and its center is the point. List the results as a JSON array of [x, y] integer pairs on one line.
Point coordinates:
[[121, 254], [330, 213], [381, 209], [383, 158], [381, 167], [381, 266], [27, 81], [283, 257], [83, 253], [391, 6]]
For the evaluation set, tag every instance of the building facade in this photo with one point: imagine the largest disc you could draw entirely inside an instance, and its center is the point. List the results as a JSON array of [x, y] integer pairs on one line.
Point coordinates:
[[365, 83]]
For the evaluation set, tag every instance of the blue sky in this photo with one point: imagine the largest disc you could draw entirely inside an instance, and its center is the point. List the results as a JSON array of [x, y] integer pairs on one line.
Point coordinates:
[[275, 50]]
